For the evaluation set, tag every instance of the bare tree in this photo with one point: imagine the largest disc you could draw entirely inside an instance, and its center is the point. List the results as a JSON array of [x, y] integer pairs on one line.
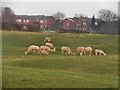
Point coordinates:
[[80, 15], [59, 15], [106, 15], [8, 15]]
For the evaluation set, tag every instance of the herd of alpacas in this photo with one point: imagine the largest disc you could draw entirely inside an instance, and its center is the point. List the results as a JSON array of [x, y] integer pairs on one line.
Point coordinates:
[[65, 50]]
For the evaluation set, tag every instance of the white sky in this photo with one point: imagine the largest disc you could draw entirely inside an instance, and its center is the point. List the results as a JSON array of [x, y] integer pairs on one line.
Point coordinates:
[[69, 8]]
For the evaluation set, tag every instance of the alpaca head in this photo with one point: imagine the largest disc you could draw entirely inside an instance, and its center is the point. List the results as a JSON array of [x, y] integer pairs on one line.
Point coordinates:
[[25, 53], [105, 54]]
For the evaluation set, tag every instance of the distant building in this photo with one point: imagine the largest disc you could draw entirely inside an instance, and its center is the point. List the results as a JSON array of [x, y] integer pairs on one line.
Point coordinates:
[[47, 22], [75, 23], [44, 22], [28, 20], [67, 24]]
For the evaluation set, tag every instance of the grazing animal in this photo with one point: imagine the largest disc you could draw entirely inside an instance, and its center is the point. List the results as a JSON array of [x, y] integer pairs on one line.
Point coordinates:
[[33, 48], [46, 48], [88, 49], [49, 45], [100, 52], [47, 39], [80, 50], [67, 50]]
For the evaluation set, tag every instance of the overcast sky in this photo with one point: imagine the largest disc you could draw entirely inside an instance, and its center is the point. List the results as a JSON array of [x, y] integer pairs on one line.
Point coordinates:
[[89, 8]]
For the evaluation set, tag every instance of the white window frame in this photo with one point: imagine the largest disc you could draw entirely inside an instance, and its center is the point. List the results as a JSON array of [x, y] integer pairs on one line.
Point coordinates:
[[18, 20], [42, 21], [84, 23], [26, 20]]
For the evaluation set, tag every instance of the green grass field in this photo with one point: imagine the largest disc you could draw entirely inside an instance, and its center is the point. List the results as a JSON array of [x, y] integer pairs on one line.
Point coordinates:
[[56, 70]]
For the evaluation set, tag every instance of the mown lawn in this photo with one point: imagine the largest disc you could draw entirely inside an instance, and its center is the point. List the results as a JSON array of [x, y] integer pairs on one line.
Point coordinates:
[[55, 70]]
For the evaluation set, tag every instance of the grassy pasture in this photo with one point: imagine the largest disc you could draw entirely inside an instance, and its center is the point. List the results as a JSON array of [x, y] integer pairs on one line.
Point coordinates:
[[55, 70]]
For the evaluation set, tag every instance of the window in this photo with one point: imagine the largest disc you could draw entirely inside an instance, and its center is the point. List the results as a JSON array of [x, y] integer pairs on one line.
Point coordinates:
[[77, 28], [84, 23], [18, 20], [67, 24], [44, 26], [84, 29], [42, 21], [26, 20]]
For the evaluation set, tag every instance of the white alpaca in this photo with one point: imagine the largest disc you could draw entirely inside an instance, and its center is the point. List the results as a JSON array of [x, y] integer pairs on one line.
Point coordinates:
[[88, 49], [49, 45], [46, 48], [67, 50], [80, 50], [47, 39], [44, 52], [100, 52], [33, 48]]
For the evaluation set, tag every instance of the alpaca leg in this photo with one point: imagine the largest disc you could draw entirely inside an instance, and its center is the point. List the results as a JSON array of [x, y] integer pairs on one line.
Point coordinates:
[[100, 54], [31, 51], [85, 52], [38, 52], [66, 53], [34, 51], [90, 53], [27, 51], [81, 53], [62, 52], [96, 54], [47, 53]]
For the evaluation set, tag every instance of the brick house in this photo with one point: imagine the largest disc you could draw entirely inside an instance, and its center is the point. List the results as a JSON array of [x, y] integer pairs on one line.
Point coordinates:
[[44, 22], [85, 23], [67, 24], [47, 22], [75, 23]]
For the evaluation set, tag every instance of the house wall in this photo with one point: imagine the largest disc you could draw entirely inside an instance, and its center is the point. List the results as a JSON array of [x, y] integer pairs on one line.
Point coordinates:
[[67, 24], [24, 21], [46, 24], [51, 22], [74, 23]]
